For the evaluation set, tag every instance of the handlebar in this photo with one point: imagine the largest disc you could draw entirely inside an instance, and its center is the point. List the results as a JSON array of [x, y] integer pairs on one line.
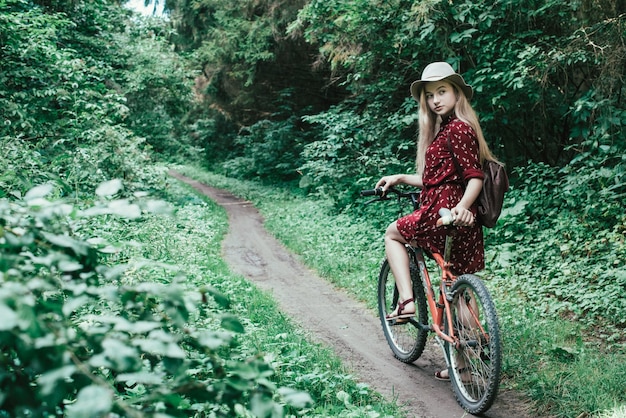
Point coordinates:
[[446, 217], [372, 192], [413, 196], [385, 195]]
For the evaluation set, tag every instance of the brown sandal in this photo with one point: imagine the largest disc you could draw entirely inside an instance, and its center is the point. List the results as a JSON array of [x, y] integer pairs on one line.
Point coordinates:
[[400, 315], [439, 375]]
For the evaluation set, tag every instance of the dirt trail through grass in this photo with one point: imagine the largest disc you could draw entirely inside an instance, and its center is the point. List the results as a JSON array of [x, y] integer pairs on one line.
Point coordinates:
[[335, 319]]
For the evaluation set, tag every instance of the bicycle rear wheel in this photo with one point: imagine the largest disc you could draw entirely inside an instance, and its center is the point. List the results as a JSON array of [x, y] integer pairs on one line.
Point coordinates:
[[406, 339], [475, 364]]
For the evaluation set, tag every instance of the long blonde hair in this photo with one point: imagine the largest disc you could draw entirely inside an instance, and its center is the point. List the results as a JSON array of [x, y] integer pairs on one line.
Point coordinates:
[[429, 125]]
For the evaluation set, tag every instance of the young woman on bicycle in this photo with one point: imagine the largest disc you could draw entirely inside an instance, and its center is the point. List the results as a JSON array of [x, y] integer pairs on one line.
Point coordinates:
[[444, 115]]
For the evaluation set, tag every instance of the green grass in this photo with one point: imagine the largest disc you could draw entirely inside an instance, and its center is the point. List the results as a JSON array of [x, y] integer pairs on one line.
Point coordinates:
[[556, 361], [190, 243]]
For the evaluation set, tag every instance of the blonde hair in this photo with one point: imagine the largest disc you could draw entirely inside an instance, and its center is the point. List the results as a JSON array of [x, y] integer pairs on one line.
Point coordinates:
[[429, 124]]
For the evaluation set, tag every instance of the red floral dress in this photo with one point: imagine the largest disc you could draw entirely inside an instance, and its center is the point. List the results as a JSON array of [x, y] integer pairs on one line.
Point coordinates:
[[443, 188]]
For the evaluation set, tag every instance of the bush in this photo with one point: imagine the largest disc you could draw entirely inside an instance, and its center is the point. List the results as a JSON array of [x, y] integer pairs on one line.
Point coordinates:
[[81, 336]]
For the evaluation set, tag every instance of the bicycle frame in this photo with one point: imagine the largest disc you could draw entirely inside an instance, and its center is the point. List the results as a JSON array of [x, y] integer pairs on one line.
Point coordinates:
[[441, 306]]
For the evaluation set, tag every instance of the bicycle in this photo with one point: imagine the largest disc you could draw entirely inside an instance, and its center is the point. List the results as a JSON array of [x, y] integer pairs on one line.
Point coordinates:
[[464, 318]]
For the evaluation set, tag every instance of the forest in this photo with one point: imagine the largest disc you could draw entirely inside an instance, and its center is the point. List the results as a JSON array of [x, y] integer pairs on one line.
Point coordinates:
[[107, 310]]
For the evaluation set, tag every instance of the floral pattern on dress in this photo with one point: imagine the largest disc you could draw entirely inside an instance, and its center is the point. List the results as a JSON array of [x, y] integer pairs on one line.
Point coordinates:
[[444, 188]]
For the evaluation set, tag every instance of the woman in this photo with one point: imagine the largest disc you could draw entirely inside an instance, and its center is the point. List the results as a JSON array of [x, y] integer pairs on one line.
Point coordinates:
[[446, 122]]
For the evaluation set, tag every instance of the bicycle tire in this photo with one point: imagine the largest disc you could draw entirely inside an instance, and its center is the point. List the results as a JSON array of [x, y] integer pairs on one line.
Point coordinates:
[[474, 367], [406, 340]]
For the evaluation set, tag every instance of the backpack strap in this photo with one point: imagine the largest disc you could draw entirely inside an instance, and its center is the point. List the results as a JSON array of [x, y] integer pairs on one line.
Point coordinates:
[[456, 162]]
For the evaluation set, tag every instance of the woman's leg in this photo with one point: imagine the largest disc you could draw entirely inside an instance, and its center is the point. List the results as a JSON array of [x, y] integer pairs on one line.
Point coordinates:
[[464, 315], [399, 262]]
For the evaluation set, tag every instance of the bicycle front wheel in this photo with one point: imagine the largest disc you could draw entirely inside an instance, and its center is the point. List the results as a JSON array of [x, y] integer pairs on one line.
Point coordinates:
[[475, 363], [407, 338]]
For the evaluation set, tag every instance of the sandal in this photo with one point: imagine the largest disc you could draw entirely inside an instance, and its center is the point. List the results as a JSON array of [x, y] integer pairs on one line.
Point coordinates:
[[439, 374], [400, 315]]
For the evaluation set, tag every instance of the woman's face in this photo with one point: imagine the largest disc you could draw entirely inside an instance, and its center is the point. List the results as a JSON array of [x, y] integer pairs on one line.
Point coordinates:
[[441, 97]]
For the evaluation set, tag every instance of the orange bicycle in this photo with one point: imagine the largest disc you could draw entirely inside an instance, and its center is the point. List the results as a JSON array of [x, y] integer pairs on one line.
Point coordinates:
[[464, 318]]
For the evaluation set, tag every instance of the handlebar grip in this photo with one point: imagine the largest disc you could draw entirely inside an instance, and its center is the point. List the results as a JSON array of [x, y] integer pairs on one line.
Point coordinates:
[[372, 192]]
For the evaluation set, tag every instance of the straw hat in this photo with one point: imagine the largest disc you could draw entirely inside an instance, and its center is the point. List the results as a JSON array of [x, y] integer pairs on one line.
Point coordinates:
[[437, 71]]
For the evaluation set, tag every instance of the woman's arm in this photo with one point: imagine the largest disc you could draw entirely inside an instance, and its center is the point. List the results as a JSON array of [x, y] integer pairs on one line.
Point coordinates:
[[410, 179], [461, 212]]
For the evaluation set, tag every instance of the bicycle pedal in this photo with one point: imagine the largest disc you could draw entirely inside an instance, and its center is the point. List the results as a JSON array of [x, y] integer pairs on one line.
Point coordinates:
[[399, 321]]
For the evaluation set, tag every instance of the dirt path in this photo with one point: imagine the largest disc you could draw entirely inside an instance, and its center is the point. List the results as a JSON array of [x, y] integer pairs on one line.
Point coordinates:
[[335, 319]]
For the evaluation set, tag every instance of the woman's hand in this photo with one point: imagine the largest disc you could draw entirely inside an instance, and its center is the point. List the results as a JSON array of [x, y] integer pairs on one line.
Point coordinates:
[[463, 216], [388, 181], [410, 179]]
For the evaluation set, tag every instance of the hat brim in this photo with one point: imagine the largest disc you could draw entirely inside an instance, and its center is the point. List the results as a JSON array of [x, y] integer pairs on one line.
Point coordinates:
[[457, 80]]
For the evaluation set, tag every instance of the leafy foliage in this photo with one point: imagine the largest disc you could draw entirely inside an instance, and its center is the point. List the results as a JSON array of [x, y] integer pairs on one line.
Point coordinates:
[[576, 237], [60, 121], [88, 331], [548, 78], [106, 335], [157, 86], [350, 146], [246, 60], [538, 79], [283, 91]]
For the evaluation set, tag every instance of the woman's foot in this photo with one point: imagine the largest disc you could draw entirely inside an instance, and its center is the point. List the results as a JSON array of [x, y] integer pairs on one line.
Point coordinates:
[[442, 375], [466, 376], [405, 309]]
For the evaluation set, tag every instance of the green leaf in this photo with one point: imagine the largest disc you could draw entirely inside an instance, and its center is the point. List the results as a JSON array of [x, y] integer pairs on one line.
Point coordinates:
[[262, 405], [38, 192], [109, 188], [117, 356], [9, 317], [158, 207], [137, 327], [49, 380], [69, 266], [214, 340], [458, 37], [564, 353], [121, 207], [344, 397], [124, 209], [73, 304], [163, 348], [79, 248], [145, 378], [92, 402], [296, 398], [232, 323], [219, 297], [160, 343]]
